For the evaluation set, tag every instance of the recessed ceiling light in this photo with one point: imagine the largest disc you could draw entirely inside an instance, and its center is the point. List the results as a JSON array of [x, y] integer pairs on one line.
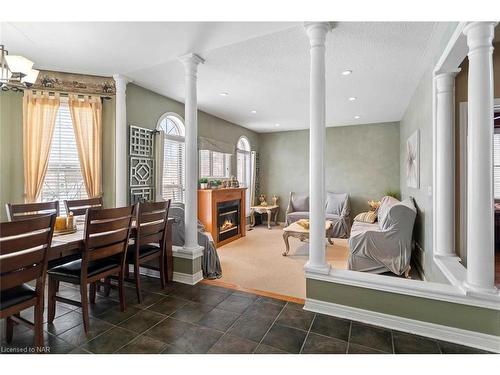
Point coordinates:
[[277, 125], [346, 72], [224, 93], [357, 117], [352, 98], [253, 111]]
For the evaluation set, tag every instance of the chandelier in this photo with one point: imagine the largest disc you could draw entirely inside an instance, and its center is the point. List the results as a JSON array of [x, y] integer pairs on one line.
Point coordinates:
[[17, 72]]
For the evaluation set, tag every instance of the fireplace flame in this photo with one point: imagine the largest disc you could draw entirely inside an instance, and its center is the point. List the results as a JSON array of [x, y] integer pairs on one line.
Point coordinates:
[[227, 224]]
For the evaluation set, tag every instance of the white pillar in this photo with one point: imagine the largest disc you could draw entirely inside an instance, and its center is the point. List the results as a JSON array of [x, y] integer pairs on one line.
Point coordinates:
[[480, 220], [191, 62], [316, 31], [121, 182], [445, 164]]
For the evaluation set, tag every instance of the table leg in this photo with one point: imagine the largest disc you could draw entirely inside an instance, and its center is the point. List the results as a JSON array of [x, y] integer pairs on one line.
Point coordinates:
[[269, 213], [329, 236], [287, 245], [276, 216], [252, 218]]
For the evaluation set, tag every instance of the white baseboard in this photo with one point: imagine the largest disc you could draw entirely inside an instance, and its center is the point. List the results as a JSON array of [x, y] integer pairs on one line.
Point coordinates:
[[179, 277], [186, 278], [436, 331]]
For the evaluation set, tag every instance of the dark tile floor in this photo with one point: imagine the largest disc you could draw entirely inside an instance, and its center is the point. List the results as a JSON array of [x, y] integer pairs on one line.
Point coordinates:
[[210, 319]]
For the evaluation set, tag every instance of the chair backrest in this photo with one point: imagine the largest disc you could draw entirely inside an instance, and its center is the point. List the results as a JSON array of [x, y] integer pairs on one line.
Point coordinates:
[[151, 224], [24, 246], [299, 202], [31, 210], [79, 207], [106, 233], [397, 216], [336, 202]]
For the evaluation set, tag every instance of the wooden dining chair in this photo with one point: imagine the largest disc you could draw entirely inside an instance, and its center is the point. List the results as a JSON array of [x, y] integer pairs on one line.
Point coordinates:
[[31, 210], [24, 247], [106, 238], [79, 207], [149, 240]]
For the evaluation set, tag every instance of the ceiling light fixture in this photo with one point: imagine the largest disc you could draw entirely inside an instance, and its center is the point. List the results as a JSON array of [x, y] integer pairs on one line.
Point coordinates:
[[253, 111], [352, 98], [16, 72], [357, 117], [224, 93], [346, 72], [277, 125]]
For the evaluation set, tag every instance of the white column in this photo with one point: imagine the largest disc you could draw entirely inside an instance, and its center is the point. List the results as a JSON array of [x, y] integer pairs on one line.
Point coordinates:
[[316, 31], [191, 62], [480, 220], [445, 164], [121, 182]]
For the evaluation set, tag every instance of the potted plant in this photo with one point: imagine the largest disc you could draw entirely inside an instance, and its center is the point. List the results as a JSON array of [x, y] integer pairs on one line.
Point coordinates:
[[217, 183], [203, 183]]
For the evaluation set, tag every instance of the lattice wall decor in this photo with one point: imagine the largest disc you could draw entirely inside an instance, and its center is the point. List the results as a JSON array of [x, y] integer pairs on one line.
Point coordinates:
[[141, 171], [142, 195], [141, 165], [141, 142]]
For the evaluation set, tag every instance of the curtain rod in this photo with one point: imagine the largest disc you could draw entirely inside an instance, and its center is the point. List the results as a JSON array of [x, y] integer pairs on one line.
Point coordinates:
[[67, 94]]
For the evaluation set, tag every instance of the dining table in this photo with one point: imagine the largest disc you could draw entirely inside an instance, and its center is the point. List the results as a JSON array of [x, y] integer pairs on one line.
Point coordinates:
[[71, 244]]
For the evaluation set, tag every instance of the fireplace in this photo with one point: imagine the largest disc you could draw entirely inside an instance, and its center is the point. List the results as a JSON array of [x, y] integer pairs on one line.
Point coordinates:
[[228, 219]]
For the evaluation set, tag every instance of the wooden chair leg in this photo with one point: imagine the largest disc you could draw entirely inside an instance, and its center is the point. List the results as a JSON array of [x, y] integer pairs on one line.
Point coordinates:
[[137, 277], [51, 303], [121, 288], [39, 325], [85, 305], [57, 286], [107, 286], [162, 272], [9, 329], [93, 292]]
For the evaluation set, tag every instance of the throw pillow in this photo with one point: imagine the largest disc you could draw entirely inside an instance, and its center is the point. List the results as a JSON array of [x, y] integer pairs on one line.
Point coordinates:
[[366, 217]]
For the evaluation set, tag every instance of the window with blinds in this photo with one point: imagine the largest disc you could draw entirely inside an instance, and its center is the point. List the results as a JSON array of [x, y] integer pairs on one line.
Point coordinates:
[[174, 154], [213, 164], [64, 178]]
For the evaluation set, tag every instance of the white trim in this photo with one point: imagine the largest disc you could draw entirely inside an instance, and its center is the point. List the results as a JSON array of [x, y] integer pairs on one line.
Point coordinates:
[[462, 113], [180, 252], [186, 278], [408, 287], [436, 331]]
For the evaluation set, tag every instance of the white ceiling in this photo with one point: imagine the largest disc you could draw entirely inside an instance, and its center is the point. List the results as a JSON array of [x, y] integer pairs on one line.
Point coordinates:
[[263, 65]]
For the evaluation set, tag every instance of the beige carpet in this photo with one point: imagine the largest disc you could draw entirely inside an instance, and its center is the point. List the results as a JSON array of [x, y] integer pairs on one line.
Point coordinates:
[[255, 261]]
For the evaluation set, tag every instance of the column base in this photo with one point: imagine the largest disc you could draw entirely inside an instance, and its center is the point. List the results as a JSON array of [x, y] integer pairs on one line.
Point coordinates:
[[195, 251], [479, 290], [323, 269]]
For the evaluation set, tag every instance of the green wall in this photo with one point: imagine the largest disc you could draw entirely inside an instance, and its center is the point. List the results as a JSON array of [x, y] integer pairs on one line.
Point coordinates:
[[456, 315], [11, 151], [361, 160], [418, 116], [145, 107]]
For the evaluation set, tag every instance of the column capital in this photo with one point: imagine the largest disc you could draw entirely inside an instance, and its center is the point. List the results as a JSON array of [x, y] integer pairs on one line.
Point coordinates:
[[445, 81], [191, 62], [479, 35], [120, 79], [316, 31]]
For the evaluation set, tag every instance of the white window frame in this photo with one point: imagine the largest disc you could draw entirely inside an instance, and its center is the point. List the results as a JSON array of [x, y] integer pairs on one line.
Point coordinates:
[[226, 165], [179, 121]]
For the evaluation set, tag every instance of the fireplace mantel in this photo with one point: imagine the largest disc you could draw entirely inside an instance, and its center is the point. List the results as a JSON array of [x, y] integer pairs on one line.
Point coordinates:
[[208, 200]]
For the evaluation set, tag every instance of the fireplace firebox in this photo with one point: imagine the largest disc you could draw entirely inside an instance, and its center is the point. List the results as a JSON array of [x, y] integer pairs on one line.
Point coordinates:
[[228, 219]]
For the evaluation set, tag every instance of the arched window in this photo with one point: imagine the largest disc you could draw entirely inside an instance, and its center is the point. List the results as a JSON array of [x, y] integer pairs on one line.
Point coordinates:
[[173, 171], [243, 169]]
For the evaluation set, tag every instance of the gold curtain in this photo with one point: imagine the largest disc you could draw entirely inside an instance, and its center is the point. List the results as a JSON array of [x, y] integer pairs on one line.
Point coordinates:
[[39, 119], [86, 115]]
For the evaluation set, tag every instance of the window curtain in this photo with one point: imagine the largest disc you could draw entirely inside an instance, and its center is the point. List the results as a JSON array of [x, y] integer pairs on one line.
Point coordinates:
[[86, 115], [253, 176], [159, 151], [39, 119]]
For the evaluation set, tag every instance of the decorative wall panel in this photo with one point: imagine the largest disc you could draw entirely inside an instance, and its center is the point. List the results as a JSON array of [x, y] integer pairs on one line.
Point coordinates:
[[141, 164]]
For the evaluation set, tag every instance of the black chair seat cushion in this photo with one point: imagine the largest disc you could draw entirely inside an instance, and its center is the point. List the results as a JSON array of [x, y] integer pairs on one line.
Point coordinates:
[[144, 251], [73, 269], [16, 295]]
